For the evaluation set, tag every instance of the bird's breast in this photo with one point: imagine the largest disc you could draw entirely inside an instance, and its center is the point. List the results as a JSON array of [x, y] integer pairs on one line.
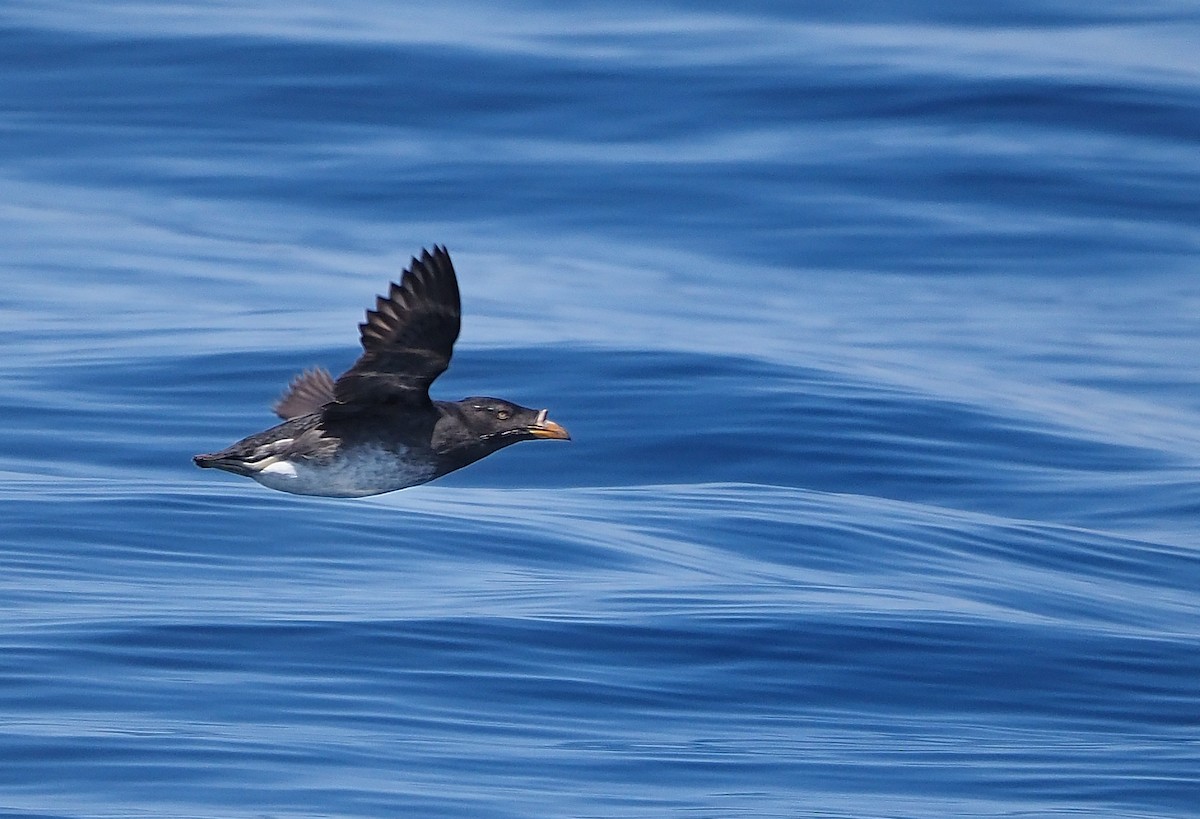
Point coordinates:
[[350, 473]]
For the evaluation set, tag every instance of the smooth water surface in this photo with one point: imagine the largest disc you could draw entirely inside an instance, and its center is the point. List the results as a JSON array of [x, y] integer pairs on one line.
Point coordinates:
[[877, 332]]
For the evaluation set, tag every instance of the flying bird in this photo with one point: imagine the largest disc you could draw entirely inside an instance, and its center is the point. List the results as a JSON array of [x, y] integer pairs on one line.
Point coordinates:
[[375, 429]]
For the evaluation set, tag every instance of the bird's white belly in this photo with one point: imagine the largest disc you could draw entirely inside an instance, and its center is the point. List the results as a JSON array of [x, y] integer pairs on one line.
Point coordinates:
[[355, 474]]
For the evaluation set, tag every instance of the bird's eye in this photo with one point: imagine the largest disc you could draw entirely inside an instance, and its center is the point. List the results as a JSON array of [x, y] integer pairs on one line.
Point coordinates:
[[503, 414]]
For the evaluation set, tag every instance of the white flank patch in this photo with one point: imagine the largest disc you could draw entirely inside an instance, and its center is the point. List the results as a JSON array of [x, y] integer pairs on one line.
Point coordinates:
[[279, 470]]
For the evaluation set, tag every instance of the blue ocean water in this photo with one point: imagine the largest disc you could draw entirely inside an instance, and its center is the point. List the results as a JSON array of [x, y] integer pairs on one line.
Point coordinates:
[[877, 330]]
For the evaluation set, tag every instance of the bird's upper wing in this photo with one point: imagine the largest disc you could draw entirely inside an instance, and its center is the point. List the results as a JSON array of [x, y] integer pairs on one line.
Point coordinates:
[[308, 392], [407, 339]]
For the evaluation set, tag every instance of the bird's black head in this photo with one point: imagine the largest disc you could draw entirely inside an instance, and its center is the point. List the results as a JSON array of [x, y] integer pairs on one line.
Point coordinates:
[[475, 427], [495, 418]]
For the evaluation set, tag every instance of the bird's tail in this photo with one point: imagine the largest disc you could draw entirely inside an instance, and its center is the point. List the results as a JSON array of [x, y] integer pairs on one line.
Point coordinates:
[[220, 460]]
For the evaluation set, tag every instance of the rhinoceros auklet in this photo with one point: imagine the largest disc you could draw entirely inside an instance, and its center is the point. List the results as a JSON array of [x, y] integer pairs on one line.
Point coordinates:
[[375, 429]]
